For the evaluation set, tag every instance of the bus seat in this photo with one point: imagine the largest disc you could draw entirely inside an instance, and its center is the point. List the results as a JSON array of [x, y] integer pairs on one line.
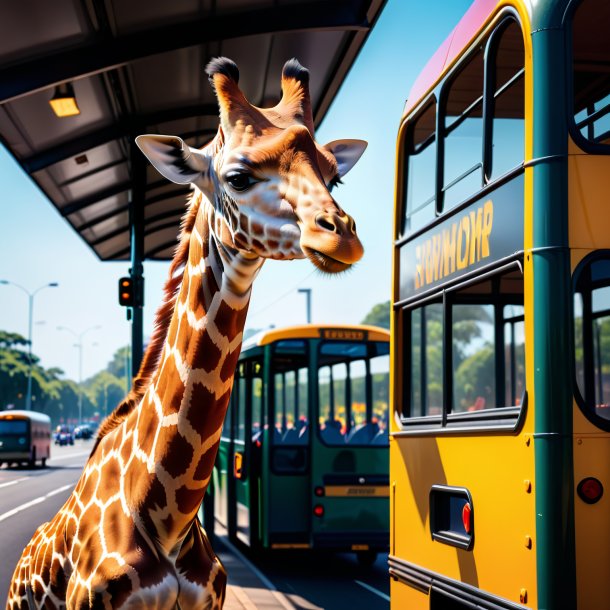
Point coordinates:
[[331, 433], [381, 438], [290, 436], [362, 434]]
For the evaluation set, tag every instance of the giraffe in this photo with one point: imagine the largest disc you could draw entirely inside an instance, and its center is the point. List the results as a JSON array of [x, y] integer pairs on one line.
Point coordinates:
[[128, 536]]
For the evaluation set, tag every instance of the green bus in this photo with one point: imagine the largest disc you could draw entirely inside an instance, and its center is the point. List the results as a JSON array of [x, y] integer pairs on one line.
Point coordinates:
[[303, 458]]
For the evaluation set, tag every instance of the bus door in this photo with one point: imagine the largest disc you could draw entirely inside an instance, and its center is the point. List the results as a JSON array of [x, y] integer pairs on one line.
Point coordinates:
[[350, 460], [246, 417], [287, 503]]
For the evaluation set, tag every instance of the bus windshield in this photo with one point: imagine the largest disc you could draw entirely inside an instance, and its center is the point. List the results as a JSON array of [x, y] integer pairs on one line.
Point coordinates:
[[353, 393], [13, 427]]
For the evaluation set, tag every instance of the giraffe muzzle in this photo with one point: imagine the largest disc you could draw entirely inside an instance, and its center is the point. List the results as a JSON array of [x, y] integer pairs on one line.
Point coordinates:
[[330, 241]]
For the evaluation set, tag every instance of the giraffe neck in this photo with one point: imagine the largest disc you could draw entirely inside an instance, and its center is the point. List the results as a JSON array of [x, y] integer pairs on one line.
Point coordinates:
[[186, 404]]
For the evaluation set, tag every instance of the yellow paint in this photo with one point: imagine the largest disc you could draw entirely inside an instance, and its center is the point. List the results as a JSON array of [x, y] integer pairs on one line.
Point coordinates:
[[589, 230], [328, 331]]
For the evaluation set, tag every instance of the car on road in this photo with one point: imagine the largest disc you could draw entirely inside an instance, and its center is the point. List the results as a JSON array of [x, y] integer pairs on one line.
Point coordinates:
[[64, 435], [85, 432]]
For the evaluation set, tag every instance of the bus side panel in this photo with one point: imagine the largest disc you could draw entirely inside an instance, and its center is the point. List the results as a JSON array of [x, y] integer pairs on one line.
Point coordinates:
[[496, 471], [592, 526], [288, 520], [350, 519], [589, 231], [404, 596], [589, 223]]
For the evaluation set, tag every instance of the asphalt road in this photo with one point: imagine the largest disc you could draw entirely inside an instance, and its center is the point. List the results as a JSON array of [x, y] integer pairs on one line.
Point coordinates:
[[29, 497]]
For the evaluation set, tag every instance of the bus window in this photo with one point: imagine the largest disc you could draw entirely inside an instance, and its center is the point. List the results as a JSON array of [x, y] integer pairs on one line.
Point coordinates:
[[240, 431], [424, 367], [420, 170], [591, 70], [463, 134], [488, 344], [486, 357], [380, 386], [507, 102], [257, 399], [592, 339], [290, 395], [514, 354], [353, 382], [358, 408], [13, 427]]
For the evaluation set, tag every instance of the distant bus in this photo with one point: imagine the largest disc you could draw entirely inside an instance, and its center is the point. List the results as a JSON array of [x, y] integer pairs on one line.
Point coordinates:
[[25, 436], [303, 458]]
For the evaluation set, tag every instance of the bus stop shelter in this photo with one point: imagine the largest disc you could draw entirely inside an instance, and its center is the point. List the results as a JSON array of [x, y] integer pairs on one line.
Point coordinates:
[[137, 66]]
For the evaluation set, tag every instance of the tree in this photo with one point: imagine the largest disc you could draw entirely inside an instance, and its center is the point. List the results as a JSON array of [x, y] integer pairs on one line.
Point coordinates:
[[379, 315]]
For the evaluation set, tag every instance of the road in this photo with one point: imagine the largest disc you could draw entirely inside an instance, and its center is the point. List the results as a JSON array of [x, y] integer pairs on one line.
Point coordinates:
[[31, 496]]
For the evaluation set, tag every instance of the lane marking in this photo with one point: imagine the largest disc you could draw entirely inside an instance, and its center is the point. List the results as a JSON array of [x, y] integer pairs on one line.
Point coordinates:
[[14, 482], [33, 502], [373, 590]]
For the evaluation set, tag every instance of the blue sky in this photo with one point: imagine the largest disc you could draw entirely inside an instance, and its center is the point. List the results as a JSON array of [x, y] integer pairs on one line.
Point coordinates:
[[37, 246]]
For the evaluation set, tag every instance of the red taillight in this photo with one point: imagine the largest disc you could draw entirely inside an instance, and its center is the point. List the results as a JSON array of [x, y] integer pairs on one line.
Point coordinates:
[[590, 490], [319, 491], [318, 510], [466, 515]]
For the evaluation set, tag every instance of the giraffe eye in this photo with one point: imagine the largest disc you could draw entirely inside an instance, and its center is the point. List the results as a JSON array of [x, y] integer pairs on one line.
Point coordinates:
[[240, 181]]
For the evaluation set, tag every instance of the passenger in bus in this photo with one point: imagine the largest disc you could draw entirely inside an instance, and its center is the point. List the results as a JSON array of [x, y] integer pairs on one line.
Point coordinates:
[[331, 432]]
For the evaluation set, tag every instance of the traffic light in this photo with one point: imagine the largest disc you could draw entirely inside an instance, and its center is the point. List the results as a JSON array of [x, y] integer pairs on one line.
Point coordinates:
[[127, 293]]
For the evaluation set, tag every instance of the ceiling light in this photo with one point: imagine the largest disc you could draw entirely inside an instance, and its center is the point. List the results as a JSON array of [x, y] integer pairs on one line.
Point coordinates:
[[63, 101]]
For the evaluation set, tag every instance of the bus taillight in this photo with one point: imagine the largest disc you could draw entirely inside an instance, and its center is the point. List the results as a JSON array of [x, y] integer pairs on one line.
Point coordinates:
[[590, 490], [318, 510]]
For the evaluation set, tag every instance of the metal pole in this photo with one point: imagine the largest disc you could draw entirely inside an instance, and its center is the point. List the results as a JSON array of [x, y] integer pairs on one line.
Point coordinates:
[[28, 395], [80, 382], [307, 292], [79, 345], [136, 224]]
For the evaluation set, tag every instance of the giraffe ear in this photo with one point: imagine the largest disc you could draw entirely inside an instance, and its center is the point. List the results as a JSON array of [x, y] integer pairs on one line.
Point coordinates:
[[347, 153], [173, 158]]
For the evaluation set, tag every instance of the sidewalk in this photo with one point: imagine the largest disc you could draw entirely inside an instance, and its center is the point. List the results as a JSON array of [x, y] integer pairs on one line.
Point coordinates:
[[247, 589]]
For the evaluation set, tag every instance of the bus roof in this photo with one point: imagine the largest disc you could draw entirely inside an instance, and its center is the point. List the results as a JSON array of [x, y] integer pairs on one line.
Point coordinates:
[[454, 44], [317, 331], [18, 414]]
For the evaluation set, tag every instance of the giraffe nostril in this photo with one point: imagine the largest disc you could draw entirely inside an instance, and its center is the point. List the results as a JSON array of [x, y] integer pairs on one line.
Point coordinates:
[[325, 224]]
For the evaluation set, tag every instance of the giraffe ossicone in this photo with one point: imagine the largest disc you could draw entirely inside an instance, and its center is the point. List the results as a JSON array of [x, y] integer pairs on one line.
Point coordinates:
[[129, 536]]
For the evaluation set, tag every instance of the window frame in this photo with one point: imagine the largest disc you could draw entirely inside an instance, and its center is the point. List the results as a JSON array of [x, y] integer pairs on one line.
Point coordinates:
[[507, 418], [573, 129], [488, 42], [587, 410]]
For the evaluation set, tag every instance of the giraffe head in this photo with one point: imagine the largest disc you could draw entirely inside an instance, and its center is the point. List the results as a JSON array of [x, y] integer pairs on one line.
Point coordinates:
[[267, 178]]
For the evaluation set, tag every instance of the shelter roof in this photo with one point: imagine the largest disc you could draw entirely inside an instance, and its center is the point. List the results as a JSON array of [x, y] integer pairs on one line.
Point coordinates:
[[137, 67]]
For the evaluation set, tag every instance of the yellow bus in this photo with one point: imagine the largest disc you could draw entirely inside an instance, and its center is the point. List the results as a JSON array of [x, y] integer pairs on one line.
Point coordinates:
[[500, 375]]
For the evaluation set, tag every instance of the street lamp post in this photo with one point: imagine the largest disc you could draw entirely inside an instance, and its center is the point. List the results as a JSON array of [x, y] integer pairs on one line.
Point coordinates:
[[31, 295], [79, 345], [307, 292]]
